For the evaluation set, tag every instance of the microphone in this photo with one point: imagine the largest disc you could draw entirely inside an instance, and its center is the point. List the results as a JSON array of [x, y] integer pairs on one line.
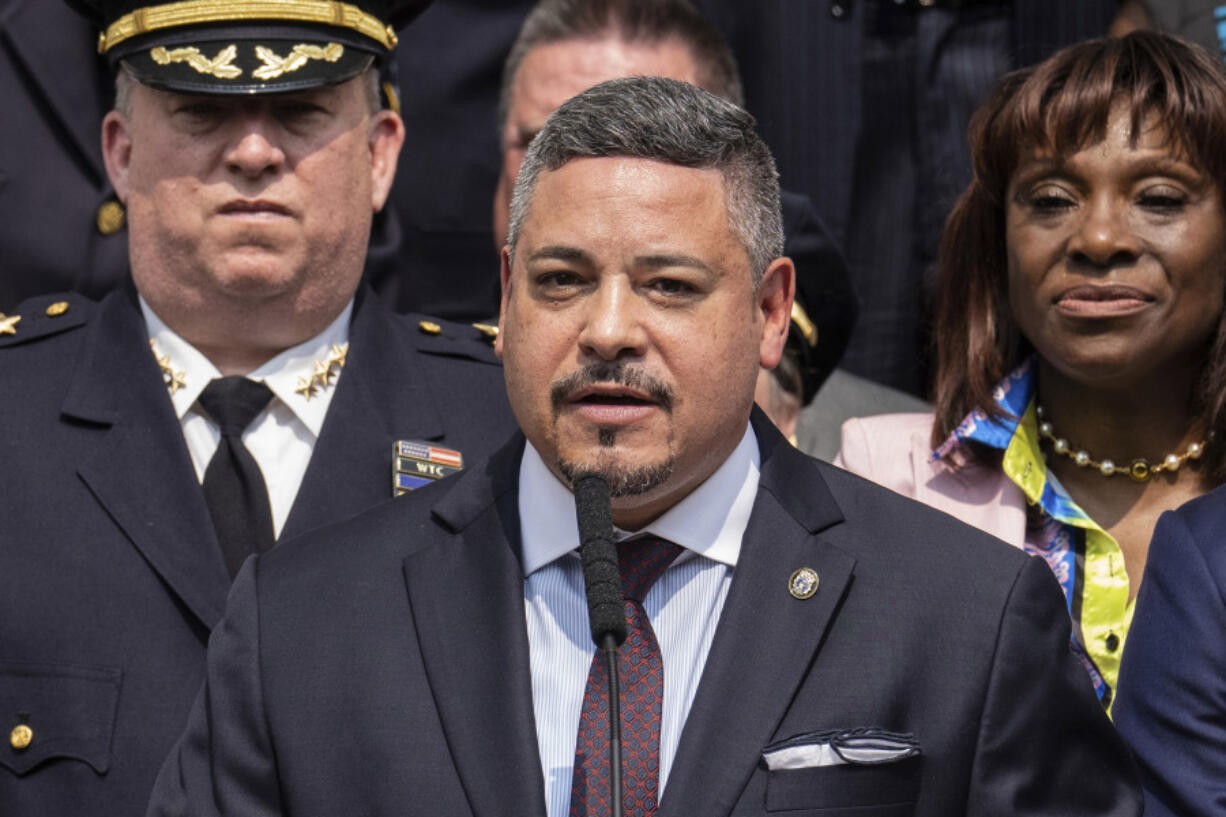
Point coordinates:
[[602, 582], [602, 578]]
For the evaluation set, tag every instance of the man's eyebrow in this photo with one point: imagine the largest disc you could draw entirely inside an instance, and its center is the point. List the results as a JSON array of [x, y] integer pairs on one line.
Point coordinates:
[[560, 252], [666, 261]]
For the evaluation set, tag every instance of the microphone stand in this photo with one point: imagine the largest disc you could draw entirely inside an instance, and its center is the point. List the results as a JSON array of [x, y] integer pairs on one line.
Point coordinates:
[[615, 725]]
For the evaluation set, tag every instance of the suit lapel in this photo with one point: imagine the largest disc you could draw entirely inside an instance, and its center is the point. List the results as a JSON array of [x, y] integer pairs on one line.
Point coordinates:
[[381, 397], [766, 639], [53, 41], [140, 471], [481, 680]]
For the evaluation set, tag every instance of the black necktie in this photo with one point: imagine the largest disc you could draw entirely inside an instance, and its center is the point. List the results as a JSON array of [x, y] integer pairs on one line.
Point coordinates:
[[233, 485]]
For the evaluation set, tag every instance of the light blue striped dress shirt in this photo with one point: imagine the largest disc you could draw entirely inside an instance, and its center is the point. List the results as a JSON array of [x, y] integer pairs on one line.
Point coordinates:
[[683, 606]]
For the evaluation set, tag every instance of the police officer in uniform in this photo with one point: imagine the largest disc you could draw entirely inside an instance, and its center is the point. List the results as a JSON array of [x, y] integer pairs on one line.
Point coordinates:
[[239, 388]]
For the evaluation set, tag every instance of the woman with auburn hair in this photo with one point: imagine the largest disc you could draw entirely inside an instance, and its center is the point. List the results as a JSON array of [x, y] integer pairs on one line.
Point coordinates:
[[1081, 355]]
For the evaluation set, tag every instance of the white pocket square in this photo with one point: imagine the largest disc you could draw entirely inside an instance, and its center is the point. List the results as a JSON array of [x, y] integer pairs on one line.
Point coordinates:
[[862, 747]]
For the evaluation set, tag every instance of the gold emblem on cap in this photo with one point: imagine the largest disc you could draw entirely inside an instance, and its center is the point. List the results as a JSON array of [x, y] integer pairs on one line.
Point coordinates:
[[802, 584], [110, 218], [275, 65], [195, 12], [21, 736], [222, 66], [430, 327], [8, 324], [56, 309]]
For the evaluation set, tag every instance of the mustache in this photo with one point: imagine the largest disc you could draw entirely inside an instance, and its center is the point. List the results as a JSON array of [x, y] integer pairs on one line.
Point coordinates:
[[619, 374]]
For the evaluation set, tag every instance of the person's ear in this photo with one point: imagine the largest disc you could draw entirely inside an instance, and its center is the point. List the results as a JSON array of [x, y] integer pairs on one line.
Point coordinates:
[[774, 299], [504, 278], [386, 137], [117, 152]]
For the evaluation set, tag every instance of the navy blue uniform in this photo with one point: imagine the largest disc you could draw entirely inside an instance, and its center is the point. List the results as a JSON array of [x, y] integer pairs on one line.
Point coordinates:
[[113, 577], [60, 225]]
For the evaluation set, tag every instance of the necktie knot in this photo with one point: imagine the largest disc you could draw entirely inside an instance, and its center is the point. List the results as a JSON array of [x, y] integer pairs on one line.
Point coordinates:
[[642, 561], [233, 402]]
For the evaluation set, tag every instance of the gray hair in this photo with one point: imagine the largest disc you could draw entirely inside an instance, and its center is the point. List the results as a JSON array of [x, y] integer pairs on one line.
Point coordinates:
[[125, 79], [666, 121], [633, 21]]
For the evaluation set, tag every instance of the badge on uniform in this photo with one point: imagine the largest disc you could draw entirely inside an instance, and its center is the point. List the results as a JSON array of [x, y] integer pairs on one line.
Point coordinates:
[[416, 463]]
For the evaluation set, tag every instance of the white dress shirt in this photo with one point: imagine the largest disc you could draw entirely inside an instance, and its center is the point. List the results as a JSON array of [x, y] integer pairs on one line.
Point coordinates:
[[683, 606], [282, 437]]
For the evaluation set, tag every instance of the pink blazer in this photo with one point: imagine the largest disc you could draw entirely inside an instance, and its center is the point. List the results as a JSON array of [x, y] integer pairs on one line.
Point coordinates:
[[893, 450]]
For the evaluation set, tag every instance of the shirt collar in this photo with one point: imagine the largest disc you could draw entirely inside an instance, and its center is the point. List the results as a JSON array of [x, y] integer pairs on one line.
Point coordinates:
[[1016, 436], [709, 521], [282, 374], [1012, 395]]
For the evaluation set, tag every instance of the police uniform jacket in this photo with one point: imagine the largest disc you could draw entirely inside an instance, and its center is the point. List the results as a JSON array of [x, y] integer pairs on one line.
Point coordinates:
[[112, 574], [61, 226]]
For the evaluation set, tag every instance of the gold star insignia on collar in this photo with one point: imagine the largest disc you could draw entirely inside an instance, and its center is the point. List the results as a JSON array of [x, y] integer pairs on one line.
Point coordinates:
[[338, 355], [173, 380], [326, 372], [8, 324], [307, 388]]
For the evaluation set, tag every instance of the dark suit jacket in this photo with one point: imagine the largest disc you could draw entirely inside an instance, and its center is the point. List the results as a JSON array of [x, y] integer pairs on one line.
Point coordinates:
[[53, 94], [112, 575], [383, 668], [1171, 705]]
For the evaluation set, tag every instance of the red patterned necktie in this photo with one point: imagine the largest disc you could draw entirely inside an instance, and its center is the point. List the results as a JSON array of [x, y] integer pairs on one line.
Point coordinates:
[[642, 561]]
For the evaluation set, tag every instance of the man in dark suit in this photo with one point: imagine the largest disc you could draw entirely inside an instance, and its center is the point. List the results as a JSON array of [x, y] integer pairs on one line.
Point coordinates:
[[1170, 705], [130, 494], [566, 46], [810, 642]]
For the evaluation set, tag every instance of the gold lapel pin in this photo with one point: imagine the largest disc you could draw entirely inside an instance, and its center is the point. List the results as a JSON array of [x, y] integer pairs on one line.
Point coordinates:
[[802, 584]]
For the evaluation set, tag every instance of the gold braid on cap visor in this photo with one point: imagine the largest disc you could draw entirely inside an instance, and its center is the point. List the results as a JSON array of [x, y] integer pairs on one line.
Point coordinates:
[[193, 12]]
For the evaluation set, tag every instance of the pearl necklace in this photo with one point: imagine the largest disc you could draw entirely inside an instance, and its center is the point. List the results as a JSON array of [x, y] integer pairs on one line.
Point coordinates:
[[1139, 469]]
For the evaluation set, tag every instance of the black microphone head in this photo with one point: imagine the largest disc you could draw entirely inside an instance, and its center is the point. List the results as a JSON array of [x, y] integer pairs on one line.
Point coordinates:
[[595, 515], [601, 573]]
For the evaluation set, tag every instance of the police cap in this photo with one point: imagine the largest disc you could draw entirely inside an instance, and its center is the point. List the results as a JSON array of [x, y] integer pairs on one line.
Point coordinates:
[[246, 46]]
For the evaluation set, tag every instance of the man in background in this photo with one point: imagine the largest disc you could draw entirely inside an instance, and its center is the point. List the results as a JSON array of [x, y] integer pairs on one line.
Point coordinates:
[[565, 47], [237, 389]]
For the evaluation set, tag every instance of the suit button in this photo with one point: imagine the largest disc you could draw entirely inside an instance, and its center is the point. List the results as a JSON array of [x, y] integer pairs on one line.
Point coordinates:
[[21, 736], [110, 218], [1113, 642]]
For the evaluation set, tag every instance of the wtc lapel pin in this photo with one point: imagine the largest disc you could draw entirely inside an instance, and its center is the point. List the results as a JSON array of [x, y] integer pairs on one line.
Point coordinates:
[[416, 463], [802, 584]]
